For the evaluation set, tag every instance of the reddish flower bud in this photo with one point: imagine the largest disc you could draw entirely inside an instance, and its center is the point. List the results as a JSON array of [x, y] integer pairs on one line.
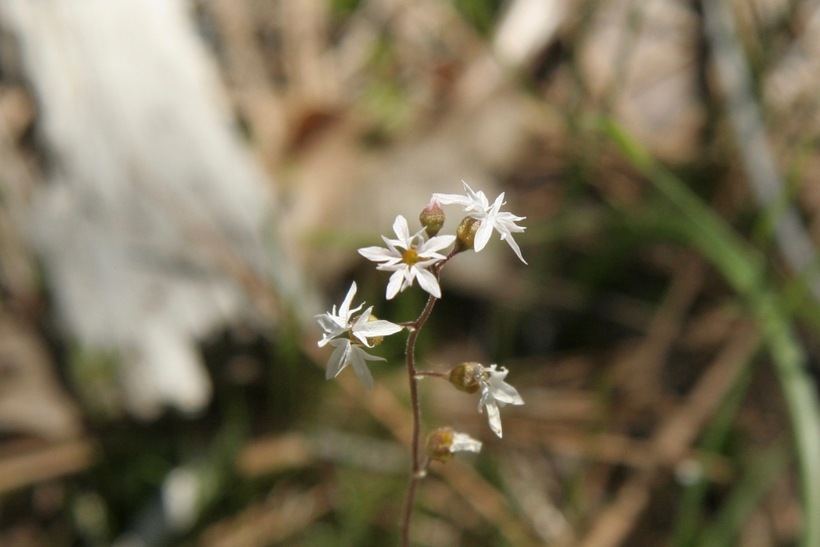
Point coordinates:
[[432, 218]]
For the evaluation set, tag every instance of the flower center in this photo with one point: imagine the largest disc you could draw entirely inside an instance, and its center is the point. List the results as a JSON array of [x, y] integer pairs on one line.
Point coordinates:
[[410, 256]]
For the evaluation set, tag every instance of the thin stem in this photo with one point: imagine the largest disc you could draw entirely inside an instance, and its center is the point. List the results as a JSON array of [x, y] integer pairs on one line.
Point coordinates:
[[435, 373], [419, 471]]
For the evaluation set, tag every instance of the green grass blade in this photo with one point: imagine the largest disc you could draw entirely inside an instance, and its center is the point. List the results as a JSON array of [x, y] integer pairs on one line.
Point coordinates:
[[743, 267]]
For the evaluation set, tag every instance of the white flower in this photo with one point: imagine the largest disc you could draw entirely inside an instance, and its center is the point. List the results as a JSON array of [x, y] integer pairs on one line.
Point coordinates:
[[360, 331], [408, 257], [495, 393], [478, 207]]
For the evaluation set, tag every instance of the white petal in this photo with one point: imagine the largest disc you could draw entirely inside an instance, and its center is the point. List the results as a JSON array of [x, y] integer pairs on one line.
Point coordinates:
[[514, 247], [508, 220], [344, 310], [499, 201], [427, 281], [482, 236], [380, 327], [453, 199], [329, 322], [436, 244], [395, 284], [356, 327], [338, 359], [401, 229], [360, 367], [363, 328], [494, 417], [507, 394], [498, 389], [435, 258], [376, 254], [478, 198], [391, 266], [332, 327], [464, 443]]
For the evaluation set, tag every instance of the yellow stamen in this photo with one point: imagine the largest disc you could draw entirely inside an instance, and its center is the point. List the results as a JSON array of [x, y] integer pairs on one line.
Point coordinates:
[[410, 256]]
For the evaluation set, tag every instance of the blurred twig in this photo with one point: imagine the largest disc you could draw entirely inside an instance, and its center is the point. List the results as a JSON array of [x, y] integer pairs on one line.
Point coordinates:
[[761, 473], [32, 462], [17, 271], [672, 440], [282, 515]]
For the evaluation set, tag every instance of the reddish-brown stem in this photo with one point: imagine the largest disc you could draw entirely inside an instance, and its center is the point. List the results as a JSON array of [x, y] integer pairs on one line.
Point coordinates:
[[418, 470], [435, 373]]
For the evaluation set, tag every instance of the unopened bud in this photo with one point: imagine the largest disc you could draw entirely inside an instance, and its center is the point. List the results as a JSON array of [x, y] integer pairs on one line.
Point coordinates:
[[464, 377], [432, 218], [465, 234]]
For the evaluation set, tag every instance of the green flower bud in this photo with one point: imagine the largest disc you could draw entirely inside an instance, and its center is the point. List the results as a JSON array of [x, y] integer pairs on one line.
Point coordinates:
[[465, 234], [432, 218], [464, 377]]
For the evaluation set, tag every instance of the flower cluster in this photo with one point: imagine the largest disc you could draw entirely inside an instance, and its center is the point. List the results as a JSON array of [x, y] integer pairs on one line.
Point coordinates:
[[420, 256]]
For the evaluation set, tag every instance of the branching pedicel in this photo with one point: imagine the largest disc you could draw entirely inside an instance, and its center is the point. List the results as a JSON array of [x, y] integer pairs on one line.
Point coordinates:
[[414, 257]]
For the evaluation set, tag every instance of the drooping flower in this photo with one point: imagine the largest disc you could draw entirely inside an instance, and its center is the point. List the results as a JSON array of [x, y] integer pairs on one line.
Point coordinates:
[[443, 443], [495, 393], [478, 207], [361, 330], [409, 257]]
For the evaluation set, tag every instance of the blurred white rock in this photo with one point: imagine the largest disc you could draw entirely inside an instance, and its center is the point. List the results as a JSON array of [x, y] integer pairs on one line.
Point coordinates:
[[153, 205]]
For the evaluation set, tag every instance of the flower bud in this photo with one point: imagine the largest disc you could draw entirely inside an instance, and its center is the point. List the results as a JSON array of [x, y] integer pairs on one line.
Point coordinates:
[[443, 443], [432, 218], [464, 377], [465, 233]]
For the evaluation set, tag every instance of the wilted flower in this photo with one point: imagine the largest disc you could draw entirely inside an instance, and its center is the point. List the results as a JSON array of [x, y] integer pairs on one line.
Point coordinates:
[[443, 443], [495, 393], [478, 207], [408, 257], [361, 330]]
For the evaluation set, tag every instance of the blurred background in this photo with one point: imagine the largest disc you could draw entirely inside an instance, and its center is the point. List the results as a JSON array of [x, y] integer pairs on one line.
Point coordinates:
[[184, 185]]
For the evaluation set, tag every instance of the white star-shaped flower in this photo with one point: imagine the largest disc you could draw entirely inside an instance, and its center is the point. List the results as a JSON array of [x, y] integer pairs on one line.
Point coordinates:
[[495, 393], [360, 331], [409, 257], [478, 207]]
